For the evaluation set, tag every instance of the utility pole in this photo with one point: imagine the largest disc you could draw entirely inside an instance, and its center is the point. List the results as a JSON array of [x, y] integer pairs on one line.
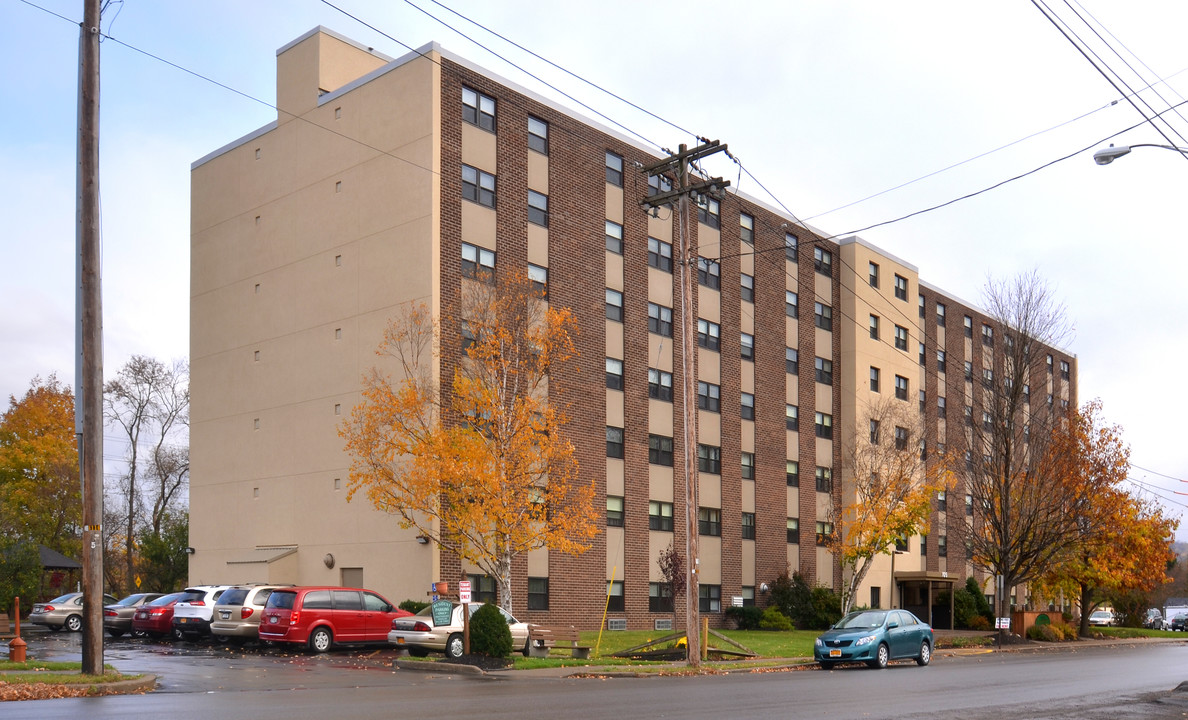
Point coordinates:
[[88, 414], [679, 165]]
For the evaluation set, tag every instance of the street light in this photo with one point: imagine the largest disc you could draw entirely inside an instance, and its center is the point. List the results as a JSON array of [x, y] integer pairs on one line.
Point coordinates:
[[1106, 156]]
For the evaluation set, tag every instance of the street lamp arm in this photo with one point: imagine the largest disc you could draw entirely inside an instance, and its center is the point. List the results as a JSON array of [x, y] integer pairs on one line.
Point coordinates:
[[1106, 156]]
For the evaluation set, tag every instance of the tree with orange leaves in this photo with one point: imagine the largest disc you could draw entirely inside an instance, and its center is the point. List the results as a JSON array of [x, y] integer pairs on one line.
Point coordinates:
[[891, 485], [1122, 542], [480, 465]]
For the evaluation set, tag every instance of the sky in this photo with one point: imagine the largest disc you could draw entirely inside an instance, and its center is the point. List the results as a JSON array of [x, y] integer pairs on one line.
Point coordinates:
[[847, 113]]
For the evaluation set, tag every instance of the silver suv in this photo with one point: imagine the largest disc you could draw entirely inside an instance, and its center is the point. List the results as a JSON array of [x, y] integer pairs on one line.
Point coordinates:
[[237, 614], [192, 613]]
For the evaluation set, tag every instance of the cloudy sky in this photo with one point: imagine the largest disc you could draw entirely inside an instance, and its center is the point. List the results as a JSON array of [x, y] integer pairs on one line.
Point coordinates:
[[850, 113]]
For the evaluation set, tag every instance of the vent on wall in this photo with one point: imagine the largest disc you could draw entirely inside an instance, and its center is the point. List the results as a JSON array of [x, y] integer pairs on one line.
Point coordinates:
[[616, 623], [664, 624]]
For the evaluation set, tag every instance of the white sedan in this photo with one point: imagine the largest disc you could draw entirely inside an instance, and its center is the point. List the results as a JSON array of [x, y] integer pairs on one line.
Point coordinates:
[[1101, 618], [421, 635]]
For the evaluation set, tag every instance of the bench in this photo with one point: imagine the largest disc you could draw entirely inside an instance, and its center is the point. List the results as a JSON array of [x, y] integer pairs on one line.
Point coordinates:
[[542, 640]]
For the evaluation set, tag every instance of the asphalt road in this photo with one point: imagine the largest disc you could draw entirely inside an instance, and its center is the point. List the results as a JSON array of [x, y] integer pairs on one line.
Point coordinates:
[[1090, 683]]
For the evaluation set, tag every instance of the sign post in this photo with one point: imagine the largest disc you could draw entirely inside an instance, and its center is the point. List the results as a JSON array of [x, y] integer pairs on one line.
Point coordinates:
[[464, 598]]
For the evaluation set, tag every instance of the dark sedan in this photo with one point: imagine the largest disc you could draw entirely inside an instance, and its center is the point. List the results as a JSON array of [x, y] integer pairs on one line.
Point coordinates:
[[117, 618], [875, 637], [1179, 622]]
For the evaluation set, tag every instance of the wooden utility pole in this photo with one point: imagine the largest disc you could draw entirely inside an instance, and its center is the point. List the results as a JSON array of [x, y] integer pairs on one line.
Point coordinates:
[[679, 165], [89, 370]]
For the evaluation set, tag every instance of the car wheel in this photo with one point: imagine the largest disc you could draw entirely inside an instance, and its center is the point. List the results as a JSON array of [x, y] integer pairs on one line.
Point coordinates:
[[882, 655], [177, 634], [115, 633], [418, 651], [925, 655], [453, 646], [74, 623], [826, 664], [320, 640]]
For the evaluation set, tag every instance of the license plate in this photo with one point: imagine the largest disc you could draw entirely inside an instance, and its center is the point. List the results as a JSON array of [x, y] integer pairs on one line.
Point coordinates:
[[835, 653], [225, 614], [272, 620], [399, 641], [182, 621]]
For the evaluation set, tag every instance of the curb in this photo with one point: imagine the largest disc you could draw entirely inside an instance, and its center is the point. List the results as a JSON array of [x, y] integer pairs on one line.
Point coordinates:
[[440, 668]]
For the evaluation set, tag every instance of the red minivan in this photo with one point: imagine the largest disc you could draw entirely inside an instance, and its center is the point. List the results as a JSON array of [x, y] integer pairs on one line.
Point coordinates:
[[325, 616]]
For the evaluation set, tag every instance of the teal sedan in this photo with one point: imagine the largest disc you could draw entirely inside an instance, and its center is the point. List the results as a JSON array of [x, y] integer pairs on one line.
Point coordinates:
[[875, 637]]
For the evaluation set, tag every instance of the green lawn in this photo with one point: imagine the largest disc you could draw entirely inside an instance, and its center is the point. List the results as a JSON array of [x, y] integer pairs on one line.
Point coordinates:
[[53, 673]]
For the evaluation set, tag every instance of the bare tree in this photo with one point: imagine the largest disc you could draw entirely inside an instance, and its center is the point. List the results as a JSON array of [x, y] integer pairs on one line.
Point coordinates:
[[149, 401], [1025, 518]]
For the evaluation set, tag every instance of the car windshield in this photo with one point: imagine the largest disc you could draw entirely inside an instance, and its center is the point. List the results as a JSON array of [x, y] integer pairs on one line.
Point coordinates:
[[864, 619], [130, 600], [1101, 613], [62, 598], [166, 599]]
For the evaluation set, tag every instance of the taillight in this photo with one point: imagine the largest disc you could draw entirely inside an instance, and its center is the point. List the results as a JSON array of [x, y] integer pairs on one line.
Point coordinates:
[[245, 612], [421, 627], [294, 616], [197, 603], [109, 613], [48, 608]]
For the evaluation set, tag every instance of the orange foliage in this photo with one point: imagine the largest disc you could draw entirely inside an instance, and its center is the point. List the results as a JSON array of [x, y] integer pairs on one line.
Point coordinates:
[[481, 465]]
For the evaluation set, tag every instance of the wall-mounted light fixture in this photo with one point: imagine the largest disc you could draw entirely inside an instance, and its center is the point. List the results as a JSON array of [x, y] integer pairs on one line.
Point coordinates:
[[189, 551], [423, 539], [763, 587], [328, 560]]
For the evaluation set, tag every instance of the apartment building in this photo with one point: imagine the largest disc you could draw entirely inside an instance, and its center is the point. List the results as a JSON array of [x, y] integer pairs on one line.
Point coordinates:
[[385, 182]]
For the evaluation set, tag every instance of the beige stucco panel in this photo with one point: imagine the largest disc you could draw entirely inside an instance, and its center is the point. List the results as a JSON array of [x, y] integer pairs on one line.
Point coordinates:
[[660, 418], [615, 415], [614, 477], [614, 339], [478, 225], [614, 553], [660, 287], [478, 150], [538, 245], [614, 203], [614, 271], [710, 554], [538, 172], [660, 483], [709, 490]]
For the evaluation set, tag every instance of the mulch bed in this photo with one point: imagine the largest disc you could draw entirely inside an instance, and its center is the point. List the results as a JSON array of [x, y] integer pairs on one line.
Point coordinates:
[[484, 662]]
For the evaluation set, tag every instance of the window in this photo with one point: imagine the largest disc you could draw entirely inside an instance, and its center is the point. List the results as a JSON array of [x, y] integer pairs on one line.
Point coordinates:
[[987, 336], [709, 273], [709, 522], [874, 275], [921, 354], [708, 397], [660, 450], [874, 432], [1049, 364], [940, 407], [747, 291], [748, 526], [747, 411], [746, 228], [539, 277], [478, 263], [969, 504], [793, 531], [942, 545], [1026, 394], [969, 415], [901, 543], [790, 247], [659, 385], [824, 371], [747, 346], [921, 307], [792, 472], [823, 261], [748, 466], [987, 377], [824, 532], [900, 287], [660, 515], [538, 208], [824, 426], [823, 316], [791, 304], [968, 326], [614, 442], [709, 335], [614, 511], [874, 379], [478, 109], [709, 459], [614, 168], [901, 387], [614, 237], [614, 374], [538, 135], [1064, 369], [709, 211], [901, 337], [659, 597], [538, 593], [660, 254], [467, 335], [940, 361], [900, 438], [823, 480], [709, 598], [614, 596], [987, 421], [792, 417], [874, 327], [876, 596], [659, 320], [968, 371], [791, 361], [941, 503], [658, 185], [478, 186], [614, 305], [483, 588], [940, 315], [748, 595]]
